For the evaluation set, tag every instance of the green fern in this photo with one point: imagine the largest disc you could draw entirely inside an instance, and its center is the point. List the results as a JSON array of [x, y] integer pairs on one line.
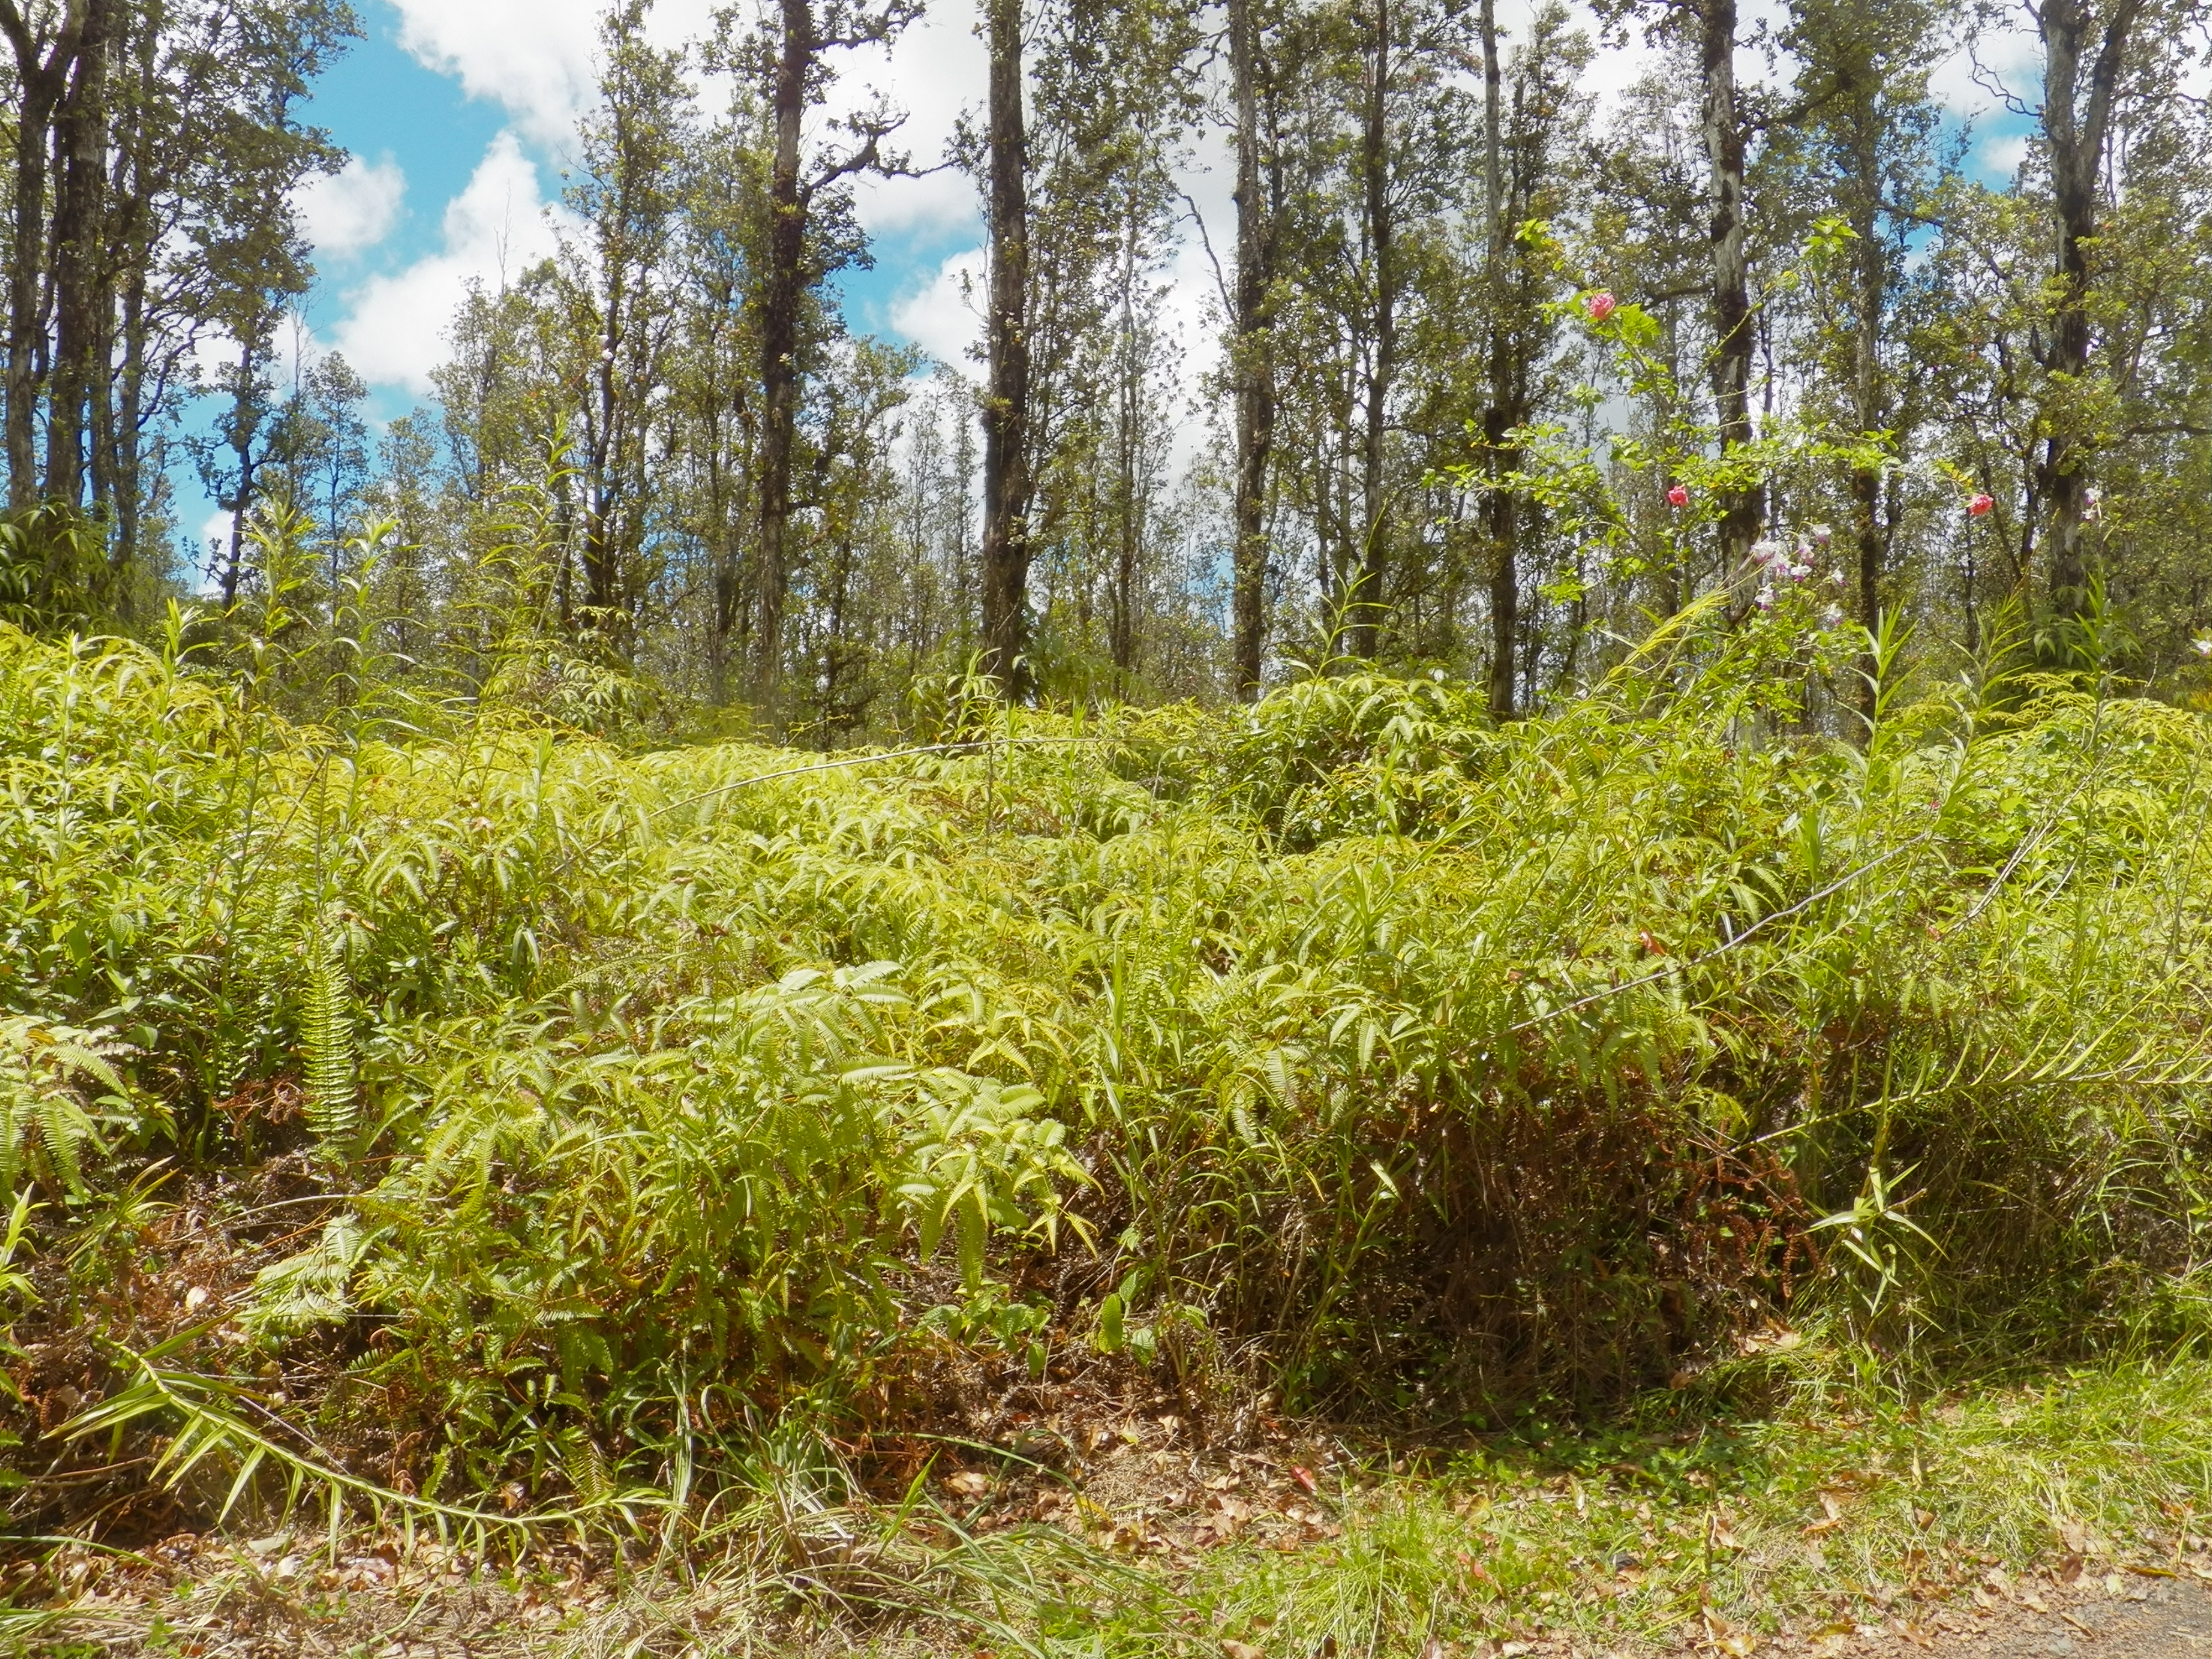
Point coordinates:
[[312, 1288], [44, 1123], [326, 1045]]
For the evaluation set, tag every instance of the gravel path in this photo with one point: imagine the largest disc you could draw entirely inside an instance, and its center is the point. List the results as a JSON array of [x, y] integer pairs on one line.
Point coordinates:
[[2154, 1619]]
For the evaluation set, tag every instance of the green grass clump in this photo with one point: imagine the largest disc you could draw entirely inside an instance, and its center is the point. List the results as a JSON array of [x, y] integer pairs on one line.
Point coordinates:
[[1347, 1047], [1660, 1530]]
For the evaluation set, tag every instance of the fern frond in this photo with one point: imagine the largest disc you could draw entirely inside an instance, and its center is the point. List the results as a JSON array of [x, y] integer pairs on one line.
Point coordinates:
[[312, 1288], [65, 1128], [326, 1044], [586, 1466]]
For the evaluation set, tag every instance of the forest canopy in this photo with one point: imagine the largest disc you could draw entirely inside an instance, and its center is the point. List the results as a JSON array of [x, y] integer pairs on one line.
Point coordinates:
[[787, 991], [1522, 331]]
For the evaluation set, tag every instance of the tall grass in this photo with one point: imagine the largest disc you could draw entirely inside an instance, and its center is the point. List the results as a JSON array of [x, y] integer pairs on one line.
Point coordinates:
[[1347, 1047]]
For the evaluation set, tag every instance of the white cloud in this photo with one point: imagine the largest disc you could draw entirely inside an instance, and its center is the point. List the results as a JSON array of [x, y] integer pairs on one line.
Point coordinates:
[[944, 317], [2002, 155], [2002, 58], [535, 58], [341, 213], [394, 331], [933, 71]]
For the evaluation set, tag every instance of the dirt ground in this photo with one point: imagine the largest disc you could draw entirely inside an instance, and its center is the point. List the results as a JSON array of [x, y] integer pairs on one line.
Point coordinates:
[[2148, 1619], [245, 1603]]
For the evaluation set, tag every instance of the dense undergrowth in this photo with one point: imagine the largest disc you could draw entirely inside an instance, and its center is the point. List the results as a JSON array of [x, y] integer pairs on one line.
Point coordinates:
[[482, 1117]]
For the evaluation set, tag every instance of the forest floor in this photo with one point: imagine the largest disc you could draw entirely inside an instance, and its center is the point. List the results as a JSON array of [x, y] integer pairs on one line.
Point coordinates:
[[2061, 1517]]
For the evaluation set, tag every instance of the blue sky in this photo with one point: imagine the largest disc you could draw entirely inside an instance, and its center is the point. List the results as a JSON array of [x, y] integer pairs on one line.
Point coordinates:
[[459, 115]]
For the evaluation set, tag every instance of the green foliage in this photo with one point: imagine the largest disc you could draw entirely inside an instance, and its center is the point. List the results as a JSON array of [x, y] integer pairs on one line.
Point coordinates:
[[1429, 1068], [47, 1123], [326, 1047]]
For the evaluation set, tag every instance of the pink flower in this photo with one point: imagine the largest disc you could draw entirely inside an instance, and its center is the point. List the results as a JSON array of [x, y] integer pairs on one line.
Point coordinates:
[[1679, 495], [1601, 306], [1979, 506]]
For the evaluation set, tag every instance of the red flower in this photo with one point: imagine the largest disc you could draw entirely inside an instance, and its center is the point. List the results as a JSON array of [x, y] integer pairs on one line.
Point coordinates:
[[1979, 506], [1601, 306], [1679, 495]]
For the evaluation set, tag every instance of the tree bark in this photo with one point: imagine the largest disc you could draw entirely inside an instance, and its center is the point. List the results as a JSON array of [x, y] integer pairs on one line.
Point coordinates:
[[41, 78], [82, 305], [1251, 362], [1870, 274], [1743, 509], [1006, 485], [118, 451], [1504, 412], [1369, 597], [779, 345], [2078, 135], [1128, 434]]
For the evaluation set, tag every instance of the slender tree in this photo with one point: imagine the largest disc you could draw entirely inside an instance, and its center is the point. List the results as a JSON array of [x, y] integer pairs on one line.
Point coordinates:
[[1713, 23], [1259, 208], [1007, 475], [2085, 58], [791, 62]]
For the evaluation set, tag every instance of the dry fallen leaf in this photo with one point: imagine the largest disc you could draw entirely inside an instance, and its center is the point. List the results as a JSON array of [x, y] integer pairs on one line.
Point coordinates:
[[1241, 1650], [970, 1483], [1304, 1478]]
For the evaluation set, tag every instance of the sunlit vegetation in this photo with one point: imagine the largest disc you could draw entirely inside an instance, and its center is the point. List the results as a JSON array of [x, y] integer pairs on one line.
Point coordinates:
[[468, 1119]]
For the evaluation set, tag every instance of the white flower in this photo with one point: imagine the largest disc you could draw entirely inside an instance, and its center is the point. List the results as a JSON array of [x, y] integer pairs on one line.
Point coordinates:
[[2202, 648], [2093, 504], [1799, 572], [1837, 576], [1767, 550], [1766, 598], [1832, 616], [1820, 535]]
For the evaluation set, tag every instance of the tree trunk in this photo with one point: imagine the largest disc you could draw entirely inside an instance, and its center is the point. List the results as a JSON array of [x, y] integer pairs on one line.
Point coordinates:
[[2077, 137], [779, 339], [1871, 273], [1369, 597], [1129, 429], [1252, 366], [82, 306], [1502, 413], [40, 83], [1006, 405], [246, 416], [1744, 509], [117, 455]]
